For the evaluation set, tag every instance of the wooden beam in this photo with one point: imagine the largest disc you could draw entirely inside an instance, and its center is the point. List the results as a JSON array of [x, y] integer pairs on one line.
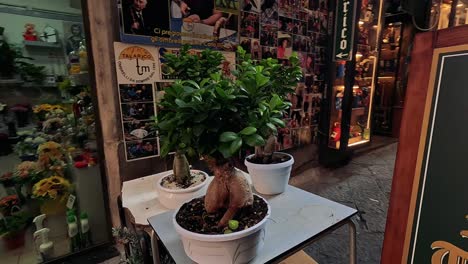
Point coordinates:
[[101, 21]]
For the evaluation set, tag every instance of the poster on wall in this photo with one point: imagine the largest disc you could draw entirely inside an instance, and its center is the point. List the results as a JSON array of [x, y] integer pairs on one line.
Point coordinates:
[[264, 28], [142, 77], [276, 29], [172, 23]]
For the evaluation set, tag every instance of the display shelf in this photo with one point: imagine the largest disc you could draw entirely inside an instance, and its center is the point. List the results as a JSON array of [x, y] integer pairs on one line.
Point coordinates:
[[41, 44]]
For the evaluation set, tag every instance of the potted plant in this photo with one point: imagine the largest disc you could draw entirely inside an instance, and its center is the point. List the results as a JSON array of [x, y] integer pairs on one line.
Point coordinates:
[[217, 118], [14, 63], [12, 230], [53, 192], [183, 184], [270, 170]]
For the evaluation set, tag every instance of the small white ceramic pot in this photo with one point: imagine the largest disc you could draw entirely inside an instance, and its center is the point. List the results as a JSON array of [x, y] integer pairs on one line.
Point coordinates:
[[270, 178], [235, 248], [173, 199]]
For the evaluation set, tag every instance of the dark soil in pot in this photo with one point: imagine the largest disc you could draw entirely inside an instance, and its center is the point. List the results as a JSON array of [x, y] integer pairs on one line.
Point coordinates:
[[193, 217], [196, 178], [275, 159]]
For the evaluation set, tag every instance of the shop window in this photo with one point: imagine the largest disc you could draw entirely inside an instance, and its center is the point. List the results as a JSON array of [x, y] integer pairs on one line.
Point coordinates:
[[51, 196], [369, 27], [442, 17]]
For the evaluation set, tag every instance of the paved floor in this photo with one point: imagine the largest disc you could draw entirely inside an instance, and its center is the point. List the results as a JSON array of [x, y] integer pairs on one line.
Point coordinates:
[[364, 184]]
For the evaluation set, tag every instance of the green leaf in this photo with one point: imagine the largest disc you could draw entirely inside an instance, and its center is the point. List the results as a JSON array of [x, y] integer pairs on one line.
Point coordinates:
[[225, 150], [272, 127], [228, 136], [192, 83], [180, 103], [221, 92], [232, 108], [248, 131], [261, 79], [255, 140], [275, 101], [200, 117], [166, 124], [277, 121], [235, 145]]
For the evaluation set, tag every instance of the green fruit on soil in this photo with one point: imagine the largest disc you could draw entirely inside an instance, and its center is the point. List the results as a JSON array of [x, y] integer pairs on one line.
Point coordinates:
[[233, 224]]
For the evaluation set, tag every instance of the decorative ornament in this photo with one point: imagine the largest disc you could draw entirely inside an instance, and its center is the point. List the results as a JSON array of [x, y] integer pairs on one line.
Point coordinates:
[[49, 35], [29, 32]]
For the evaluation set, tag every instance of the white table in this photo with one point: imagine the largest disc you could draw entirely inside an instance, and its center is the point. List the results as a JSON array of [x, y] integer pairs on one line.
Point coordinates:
[[298, 219]]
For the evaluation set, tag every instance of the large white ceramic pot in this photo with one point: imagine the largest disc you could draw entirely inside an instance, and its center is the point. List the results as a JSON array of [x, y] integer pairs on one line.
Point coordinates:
[[270, 178], [174, 198], [234, 248]]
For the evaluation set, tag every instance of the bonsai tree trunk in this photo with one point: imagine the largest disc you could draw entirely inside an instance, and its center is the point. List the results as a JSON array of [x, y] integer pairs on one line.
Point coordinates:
[[181, 168], [229, 190], [266, 152]]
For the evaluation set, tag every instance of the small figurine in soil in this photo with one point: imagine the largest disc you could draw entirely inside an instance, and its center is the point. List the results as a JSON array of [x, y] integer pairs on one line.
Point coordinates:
[[30, 33]]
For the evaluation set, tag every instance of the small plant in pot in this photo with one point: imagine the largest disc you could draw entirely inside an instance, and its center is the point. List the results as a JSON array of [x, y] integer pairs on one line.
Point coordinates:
[[12, 230], [183, 184], [270, 170], [219, 118]]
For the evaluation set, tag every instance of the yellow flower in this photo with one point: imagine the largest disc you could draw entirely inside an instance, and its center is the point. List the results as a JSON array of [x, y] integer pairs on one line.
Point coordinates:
[[52, 187]]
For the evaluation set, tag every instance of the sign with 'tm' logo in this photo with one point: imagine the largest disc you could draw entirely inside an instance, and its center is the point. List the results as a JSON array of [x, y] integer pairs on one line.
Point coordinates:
[[344, 30], [135, 63]]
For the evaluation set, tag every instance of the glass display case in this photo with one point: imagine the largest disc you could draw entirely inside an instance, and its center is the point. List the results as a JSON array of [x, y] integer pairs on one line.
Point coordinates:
[[52, 198], [353, 88]]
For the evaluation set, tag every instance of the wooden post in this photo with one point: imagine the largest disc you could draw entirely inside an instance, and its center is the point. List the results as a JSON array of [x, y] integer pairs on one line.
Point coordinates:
[[101, 22]]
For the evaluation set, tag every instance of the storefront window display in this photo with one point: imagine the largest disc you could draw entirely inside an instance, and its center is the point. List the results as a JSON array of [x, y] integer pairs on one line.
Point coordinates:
[[446, 14], [51, 196], [364, 81]]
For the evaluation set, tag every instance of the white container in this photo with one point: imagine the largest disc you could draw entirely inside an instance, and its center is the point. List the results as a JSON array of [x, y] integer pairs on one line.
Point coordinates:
[[173, 199], [235, 248], [270, 178]]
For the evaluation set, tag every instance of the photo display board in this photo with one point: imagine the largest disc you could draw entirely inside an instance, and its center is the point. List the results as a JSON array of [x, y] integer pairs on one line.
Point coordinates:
[[141, 78], [264, 28]]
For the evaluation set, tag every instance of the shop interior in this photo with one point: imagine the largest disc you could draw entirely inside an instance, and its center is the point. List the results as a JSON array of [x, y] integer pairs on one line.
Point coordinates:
[[364, 82], [51, 196]]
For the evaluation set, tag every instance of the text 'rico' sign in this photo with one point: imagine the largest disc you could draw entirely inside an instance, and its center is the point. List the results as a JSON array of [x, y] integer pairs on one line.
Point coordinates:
[[344, 29]]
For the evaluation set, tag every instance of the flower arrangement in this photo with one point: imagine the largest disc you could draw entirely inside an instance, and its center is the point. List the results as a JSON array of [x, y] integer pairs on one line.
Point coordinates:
[[27, 147], [52, 188], [26, 171], [43, 110], [50, 151], [47, 108], [8, 203]]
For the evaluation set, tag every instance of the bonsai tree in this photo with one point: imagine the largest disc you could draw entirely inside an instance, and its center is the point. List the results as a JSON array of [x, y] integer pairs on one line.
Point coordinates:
[[218, 117], [176, 136], [266, 86]]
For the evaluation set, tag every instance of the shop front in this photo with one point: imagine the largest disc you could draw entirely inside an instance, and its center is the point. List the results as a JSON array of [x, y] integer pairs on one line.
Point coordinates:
[[53, 198]]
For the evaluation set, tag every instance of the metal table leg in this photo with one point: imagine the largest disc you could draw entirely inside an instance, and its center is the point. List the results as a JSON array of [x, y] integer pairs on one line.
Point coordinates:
[[352, 242], [154, 248]]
